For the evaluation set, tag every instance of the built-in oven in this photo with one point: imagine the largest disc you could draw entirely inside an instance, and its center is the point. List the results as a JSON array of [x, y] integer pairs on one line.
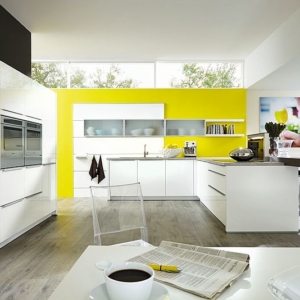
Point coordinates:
[[12, 142], [33, 143]]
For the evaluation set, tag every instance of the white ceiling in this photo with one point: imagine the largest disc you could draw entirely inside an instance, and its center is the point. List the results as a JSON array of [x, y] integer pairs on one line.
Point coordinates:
[[148, 30]]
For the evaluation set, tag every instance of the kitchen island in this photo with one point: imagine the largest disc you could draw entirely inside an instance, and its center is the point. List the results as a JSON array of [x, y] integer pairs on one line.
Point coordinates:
[[253, 196]]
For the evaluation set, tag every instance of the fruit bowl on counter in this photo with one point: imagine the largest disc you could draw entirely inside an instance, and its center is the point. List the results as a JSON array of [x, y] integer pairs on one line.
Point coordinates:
[[171, 151]]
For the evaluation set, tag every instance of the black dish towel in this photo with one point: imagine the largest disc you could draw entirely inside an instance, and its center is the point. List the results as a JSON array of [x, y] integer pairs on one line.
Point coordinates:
[[100, 170], [93, 168]]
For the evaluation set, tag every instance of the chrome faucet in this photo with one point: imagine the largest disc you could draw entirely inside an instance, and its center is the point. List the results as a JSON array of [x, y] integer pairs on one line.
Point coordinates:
[[145, 152]]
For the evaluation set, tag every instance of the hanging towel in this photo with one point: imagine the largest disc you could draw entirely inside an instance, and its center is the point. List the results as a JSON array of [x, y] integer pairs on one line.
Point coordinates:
[[93, 168], [100, 170]]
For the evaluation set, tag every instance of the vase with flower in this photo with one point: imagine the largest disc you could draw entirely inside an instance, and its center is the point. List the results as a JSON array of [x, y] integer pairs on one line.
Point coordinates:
[[274, 130]]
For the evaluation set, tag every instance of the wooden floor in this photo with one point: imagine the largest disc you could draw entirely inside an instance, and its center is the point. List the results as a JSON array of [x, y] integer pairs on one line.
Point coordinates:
[[33, 265]]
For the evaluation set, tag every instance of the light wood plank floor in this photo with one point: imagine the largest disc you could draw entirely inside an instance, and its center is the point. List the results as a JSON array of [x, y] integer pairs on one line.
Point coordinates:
[[33, 265]]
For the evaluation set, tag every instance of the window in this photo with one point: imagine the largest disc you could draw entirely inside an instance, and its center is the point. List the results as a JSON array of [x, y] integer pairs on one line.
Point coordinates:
[[138, 75], [111, 75], [198, 75]]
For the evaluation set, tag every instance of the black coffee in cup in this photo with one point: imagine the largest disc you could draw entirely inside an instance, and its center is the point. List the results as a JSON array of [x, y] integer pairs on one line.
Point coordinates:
[[129, 275]]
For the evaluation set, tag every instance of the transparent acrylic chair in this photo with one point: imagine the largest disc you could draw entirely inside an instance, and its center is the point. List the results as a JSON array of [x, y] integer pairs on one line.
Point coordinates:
[[121, 221]]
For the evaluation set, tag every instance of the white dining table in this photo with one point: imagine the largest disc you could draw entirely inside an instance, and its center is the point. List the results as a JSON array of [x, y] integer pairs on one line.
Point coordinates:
[[251, 285]]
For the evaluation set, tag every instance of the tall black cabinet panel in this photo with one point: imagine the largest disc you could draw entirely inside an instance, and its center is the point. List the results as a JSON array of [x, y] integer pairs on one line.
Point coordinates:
[[15, 43]]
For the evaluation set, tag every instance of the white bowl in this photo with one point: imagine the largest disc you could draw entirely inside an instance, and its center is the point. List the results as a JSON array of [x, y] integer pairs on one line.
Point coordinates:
[[136, 131], [148, 131]]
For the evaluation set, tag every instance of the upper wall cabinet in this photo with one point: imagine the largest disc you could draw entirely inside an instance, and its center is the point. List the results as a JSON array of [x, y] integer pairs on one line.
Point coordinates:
[[185, 127], [10, 100], [20, 94], [140, 120], [155, 128], [117, 111]]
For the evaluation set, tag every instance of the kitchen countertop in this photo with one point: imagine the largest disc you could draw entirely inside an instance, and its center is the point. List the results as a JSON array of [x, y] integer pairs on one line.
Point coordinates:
[[232, 163], [267, 161], [149, 158]]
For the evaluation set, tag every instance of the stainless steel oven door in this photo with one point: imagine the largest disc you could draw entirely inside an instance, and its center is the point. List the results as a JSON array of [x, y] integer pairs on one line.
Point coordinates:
[[12, 146], [33, 144]]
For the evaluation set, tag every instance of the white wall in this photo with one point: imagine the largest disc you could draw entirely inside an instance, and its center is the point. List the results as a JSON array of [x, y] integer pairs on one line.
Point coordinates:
[[278, 49]]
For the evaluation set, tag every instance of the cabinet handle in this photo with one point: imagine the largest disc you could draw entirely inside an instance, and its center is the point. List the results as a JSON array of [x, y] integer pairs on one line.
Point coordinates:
[[33, 194], [12, 111], [35, 166], [11, 169], [12, 203], [216, 190], [216, 172]]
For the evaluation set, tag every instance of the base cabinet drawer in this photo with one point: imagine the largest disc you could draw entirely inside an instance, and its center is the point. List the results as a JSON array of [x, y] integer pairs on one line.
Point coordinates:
[[217, 181], [33, 180], [12, 185], [12, 219]]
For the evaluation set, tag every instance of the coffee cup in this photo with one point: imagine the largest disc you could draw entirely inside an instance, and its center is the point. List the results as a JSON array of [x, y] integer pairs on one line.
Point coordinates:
[[129, 281]]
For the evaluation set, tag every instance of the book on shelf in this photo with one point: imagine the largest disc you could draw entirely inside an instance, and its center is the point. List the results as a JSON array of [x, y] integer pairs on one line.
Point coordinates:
[[220, 129], [205, 272]]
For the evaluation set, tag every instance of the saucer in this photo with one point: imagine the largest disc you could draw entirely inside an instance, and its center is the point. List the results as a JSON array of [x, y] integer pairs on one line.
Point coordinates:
[[158, 292]]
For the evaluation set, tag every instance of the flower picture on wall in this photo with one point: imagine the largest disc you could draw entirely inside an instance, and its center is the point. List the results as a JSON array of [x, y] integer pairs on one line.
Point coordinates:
[[284, 111]]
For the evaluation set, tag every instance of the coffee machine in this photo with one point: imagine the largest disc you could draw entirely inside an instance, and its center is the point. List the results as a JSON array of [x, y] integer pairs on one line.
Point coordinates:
[[190, 149]]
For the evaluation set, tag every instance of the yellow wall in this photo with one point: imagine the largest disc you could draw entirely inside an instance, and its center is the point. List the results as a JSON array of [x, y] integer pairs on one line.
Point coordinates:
[[179, 103]]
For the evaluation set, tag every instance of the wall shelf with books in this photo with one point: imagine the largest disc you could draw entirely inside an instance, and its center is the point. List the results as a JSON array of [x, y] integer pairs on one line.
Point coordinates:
[[223, 128]]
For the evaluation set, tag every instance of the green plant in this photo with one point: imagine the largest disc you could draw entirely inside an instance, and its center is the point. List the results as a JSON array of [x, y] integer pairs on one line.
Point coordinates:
[[274, 129]]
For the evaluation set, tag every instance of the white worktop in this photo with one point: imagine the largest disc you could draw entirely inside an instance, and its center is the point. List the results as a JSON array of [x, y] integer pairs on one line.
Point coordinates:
[[233, 163], [251, 285]]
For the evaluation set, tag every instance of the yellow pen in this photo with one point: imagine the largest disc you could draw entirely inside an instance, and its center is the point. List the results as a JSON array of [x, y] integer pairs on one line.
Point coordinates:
[[165, 268]]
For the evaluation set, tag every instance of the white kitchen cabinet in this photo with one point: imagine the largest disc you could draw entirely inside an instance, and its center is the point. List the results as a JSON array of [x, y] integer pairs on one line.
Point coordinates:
[[33, 180], [49, 189], [33, 210], [252, 197], [11, 101], [12, 219], [185, 127], [12, 185], [141, 128], [49, 122], [211, 188], [152, 176], [117, 111], [123, 172], [23, 191], [33, 103], [179, 178]]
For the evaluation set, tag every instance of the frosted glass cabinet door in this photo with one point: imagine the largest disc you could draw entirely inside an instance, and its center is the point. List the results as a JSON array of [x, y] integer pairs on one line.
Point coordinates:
[[151, 175], [179, 178]]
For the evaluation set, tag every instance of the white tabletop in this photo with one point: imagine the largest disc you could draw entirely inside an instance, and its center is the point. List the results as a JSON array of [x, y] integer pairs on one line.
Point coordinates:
[[252, 284]]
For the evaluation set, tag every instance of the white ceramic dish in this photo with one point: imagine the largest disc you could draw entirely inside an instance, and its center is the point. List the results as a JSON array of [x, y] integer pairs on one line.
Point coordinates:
[[148, 131], [136, 132], [158, 292]]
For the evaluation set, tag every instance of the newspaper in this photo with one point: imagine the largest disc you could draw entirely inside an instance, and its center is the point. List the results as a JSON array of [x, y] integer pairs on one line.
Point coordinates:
[[205, 272]]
